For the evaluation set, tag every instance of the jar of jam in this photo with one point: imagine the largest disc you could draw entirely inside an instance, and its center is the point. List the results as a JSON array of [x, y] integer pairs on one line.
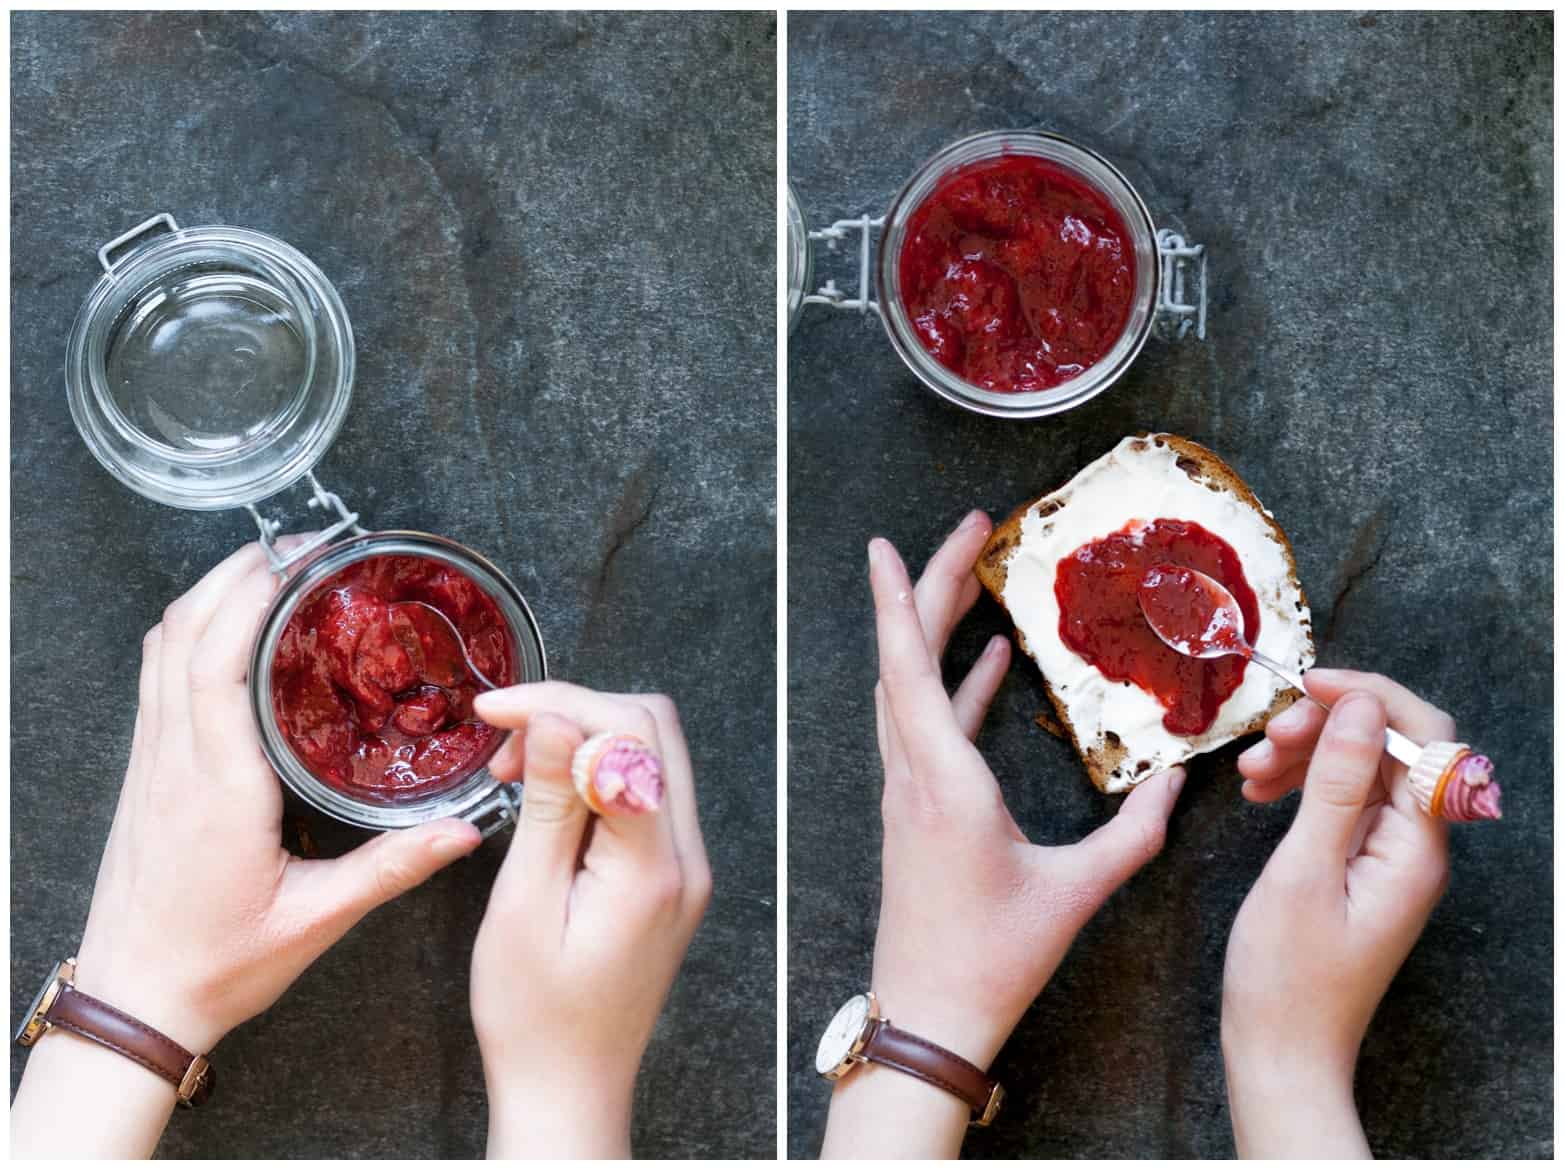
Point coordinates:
[[211, 368], [1017, 273]]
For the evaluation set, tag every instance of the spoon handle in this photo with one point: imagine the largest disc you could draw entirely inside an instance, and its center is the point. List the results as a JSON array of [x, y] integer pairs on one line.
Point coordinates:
[[1396, 744]]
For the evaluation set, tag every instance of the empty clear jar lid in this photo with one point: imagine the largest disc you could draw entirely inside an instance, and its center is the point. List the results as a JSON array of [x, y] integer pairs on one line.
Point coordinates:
[[800, 259], [209, 367]]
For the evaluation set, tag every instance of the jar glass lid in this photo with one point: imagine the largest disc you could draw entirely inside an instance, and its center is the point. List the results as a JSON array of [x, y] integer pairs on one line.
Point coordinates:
[[799, 259], [209, 367]]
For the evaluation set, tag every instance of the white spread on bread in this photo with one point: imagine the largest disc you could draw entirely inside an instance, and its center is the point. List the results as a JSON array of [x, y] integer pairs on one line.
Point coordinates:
[[1140, 480]]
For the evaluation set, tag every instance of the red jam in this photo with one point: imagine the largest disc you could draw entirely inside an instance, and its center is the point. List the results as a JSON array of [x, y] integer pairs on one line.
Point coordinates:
[[372, 690], [1192, 611], [1097, 587], [1017, 274]]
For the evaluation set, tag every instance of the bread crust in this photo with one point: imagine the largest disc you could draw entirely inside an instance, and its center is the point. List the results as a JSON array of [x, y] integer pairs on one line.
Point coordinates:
[[1102, 758]]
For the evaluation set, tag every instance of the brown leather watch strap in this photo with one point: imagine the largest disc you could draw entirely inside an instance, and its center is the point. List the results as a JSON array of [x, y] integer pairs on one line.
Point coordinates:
[[78, 1012], [917, 1057]]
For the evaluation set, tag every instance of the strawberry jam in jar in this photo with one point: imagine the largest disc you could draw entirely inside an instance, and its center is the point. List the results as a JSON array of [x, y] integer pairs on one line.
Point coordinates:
[[1018, 273], [372, 685], [365, 670]]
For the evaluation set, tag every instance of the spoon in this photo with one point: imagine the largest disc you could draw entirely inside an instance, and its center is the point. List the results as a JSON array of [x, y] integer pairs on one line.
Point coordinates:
[[1196, 616], [460, 643]]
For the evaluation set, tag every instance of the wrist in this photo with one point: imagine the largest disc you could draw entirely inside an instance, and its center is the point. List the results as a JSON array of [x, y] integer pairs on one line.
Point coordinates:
[[880, 1112], [65, 1075], [972, 1030], [149, 998], [1287, 1102], [548, 1109]]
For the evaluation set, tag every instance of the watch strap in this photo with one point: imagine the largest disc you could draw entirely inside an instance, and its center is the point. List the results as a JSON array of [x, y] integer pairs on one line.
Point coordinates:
[[192, 1076], [889, 1045]]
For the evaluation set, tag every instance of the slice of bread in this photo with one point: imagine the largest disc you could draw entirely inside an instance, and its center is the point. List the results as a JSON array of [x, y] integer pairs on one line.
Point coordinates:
[[1116, 727]]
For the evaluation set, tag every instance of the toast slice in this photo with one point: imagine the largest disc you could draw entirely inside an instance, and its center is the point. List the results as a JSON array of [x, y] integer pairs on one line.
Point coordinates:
[[1116, 727]]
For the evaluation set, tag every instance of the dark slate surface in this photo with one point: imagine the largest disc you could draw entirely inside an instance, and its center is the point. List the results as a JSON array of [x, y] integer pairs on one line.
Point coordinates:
[[1375, 192], [555, 239]]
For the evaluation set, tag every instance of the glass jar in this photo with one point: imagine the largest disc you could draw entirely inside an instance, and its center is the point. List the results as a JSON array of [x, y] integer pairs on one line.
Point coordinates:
[[211, 368], [1162, 277], [479, 796], [800, 259]]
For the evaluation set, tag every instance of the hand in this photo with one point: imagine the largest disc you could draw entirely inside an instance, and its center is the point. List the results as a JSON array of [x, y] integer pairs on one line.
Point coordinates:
[[200, 918], [586, 927], [1334, 913], [974, 919]]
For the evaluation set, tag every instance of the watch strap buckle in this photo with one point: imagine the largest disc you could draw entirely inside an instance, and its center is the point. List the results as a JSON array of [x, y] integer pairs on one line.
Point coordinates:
[[194, 1080], [996, 1098]]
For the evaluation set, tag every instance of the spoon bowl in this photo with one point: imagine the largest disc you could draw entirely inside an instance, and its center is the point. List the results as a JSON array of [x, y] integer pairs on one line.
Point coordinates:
[[461, 643], [1195, 615]]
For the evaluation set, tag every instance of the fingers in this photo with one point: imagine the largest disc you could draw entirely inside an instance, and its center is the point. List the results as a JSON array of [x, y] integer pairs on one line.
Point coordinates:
[[185, 621], [1289, 742], [682, 810], [1405, 711], [147, 686], [220, 712], [547, 843], [1340, 777], [336, 894], [222, 653], [617, 841], [977, 690], [947, 589], [507, 762], [1111, 854], [914, 692], [1265, 791], [514, 707]]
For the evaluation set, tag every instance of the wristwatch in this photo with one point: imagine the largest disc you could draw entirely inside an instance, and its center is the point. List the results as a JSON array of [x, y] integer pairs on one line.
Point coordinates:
[[858, 1034], [60, 1005]]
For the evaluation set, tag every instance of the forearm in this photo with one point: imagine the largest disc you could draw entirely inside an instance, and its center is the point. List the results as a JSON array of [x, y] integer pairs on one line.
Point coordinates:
[[78, 1099], [878, 1112], [1281, 1108]]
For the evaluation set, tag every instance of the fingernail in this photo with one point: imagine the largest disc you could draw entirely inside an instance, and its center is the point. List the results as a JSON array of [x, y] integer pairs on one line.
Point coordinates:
[[1358, 718], [1258, 755], [975, 519], [1176, 781], [450, 846], [995, 645], [876, 549], [1291, 719]]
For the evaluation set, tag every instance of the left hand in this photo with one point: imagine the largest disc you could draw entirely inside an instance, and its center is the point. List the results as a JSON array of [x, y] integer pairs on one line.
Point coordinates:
[[974, 918], [200, 918]]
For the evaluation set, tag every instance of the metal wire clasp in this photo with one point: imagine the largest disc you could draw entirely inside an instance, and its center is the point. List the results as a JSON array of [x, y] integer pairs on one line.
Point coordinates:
[[328, 503], [502, 808], [828, 293], [1182, 277]]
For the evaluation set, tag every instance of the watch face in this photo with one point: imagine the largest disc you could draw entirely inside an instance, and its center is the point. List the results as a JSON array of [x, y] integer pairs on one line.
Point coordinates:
[[32, 1008], [840, 1035]]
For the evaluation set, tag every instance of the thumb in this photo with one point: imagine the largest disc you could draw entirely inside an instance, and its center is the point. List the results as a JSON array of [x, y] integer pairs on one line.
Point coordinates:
[[1342, 773], [386, 867], [1113, 853], [553, 820]]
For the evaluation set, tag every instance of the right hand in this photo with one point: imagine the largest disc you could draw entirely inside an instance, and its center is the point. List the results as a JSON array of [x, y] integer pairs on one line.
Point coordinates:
[[587, 924], [974, 919], [1334, 914]]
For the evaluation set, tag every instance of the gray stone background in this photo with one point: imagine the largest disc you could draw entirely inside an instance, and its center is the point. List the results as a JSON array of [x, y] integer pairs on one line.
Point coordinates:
[[1376, 195], [555, 237]]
